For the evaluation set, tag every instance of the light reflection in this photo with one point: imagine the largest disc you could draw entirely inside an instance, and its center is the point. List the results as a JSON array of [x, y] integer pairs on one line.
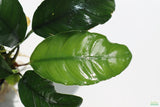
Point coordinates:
[[113, 54], [82, 72], [112, 60], [112, 57], [78, 7], [97, 64], [88, 19], [91, 71]]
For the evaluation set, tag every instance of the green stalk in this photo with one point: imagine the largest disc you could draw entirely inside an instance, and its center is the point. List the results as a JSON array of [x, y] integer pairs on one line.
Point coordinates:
[[16, 54], [29, 33], [10, 52]]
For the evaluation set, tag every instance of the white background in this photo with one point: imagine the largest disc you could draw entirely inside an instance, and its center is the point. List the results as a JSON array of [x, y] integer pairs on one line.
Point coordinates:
[[135, 23]]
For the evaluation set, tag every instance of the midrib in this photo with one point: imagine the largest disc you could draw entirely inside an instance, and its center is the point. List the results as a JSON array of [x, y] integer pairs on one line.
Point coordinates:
[[105, 57]]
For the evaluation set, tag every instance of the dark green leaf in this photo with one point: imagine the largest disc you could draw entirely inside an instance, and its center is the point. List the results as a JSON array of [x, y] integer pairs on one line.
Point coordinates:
[[38, 92], [2, 50], [79, 58], [54, 16], [5, 70], [12, 23]]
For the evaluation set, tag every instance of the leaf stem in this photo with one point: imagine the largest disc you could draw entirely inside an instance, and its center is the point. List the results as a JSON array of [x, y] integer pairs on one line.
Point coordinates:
[[10, 52], [8, 55], [19, 74], [28, 34], [16, 54], [23, 64]]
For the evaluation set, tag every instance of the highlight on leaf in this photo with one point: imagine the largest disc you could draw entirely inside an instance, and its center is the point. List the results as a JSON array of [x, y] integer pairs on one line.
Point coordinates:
[[13, 23], [55, 16], [40, 92], [80, 58]]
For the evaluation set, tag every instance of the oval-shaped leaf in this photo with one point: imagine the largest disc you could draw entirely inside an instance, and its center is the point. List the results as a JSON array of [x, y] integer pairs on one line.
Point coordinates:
[[12, 23], [55, 16], [35, 91], [79, 58], [5, 70]]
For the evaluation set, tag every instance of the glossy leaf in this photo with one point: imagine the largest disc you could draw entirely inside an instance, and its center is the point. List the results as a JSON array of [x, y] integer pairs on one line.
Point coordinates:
[[79, 58], [55, 16], [5, 70], [12, 23], [38, 92]]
